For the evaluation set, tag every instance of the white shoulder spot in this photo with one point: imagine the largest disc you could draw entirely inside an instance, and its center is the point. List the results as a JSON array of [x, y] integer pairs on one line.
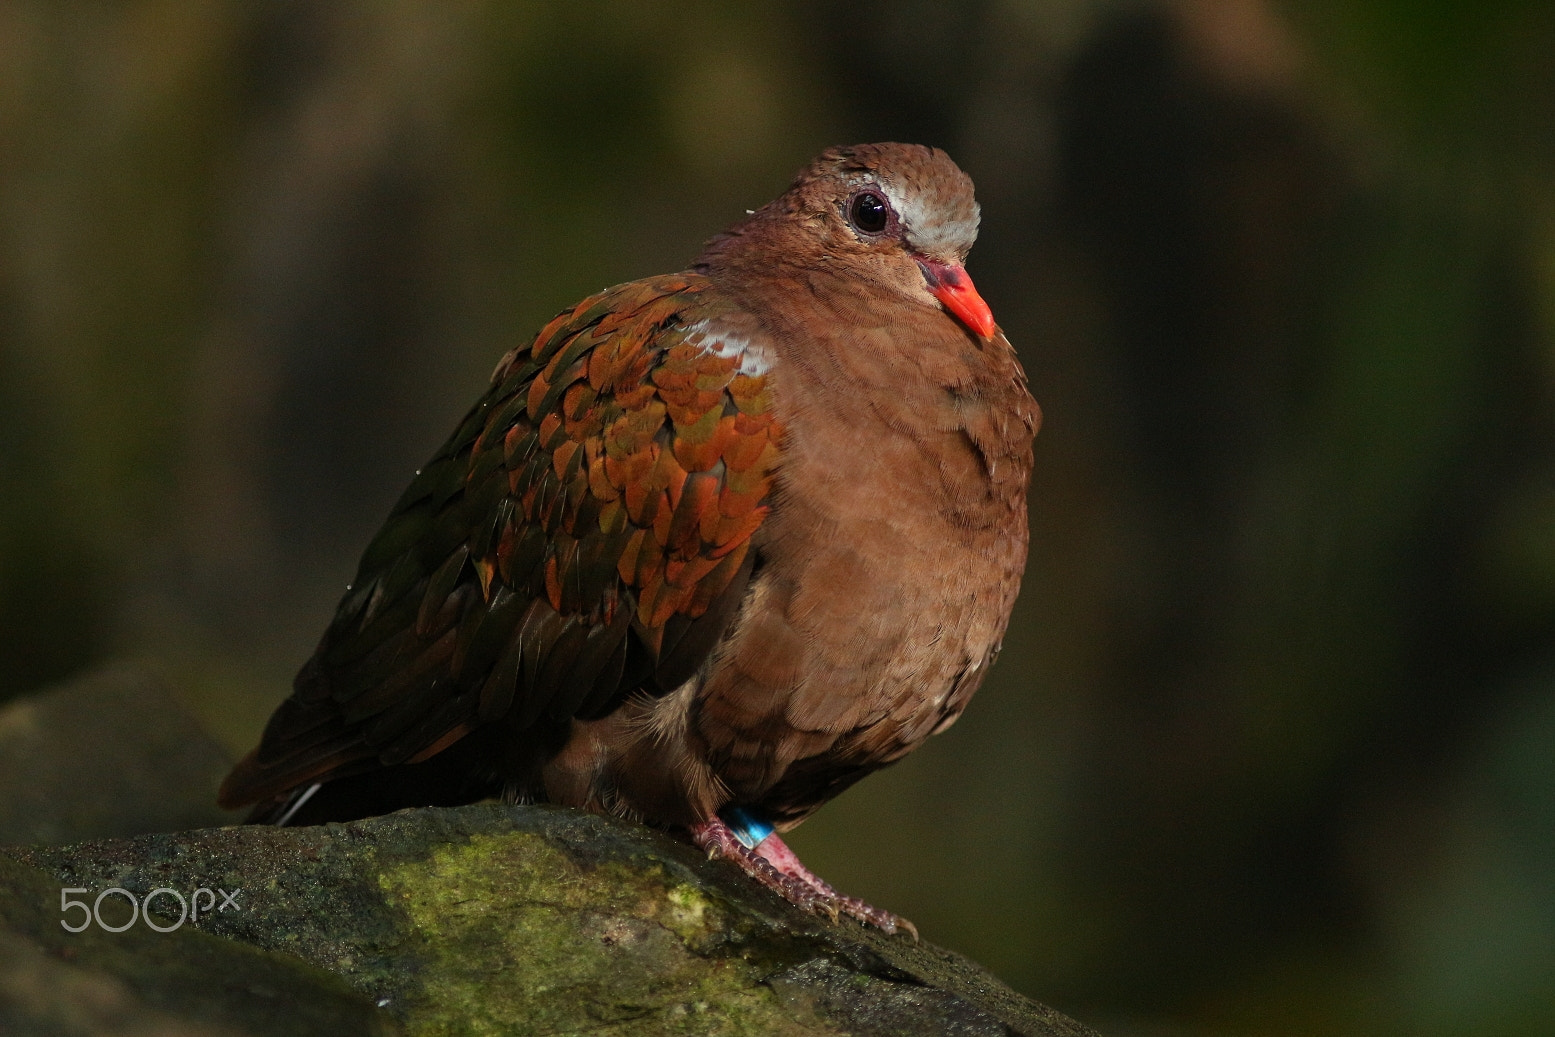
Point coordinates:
[[755, 356]]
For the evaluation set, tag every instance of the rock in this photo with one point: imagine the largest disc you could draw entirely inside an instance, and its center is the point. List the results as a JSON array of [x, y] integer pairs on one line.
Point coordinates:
[[182, 983], [493, 919], [113, 753]]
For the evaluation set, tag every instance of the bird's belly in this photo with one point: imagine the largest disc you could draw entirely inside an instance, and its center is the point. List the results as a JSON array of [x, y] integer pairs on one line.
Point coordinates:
[[847, 661]]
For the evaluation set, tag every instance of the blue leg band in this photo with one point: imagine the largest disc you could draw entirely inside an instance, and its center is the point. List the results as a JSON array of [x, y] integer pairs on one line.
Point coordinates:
[[747, 828]]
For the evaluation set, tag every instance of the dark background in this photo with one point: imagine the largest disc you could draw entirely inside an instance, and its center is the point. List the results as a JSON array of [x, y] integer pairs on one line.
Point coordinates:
[[1271, 746]]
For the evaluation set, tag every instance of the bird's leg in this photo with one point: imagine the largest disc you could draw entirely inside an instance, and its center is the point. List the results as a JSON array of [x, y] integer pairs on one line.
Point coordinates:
[[757, 849], [776, 851], [719, 840]]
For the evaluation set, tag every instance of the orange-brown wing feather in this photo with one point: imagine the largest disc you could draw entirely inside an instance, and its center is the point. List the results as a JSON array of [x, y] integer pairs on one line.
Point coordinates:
[[584, 533]]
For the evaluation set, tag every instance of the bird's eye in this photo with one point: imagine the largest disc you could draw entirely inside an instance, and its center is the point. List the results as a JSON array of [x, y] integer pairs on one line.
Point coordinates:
[[868, 212]]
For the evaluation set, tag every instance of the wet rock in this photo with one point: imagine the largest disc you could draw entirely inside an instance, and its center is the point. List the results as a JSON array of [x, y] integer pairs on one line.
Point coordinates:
[[497, 919]]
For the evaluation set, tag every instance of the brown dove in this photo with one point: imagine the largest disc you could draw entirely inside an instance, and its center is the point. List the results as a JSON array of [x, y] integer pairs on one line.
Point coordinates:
[[711, 548]]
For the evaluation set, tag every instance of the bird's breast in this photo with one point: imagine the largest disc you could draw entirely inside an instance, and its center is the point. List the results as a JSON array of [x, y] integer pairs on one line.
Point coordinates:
[[888, 567]]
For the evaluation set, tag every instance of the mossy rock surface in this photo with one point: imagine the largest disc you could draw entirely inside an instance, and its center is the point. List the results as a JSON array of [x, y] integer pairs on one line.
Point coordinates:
[[492, 919]]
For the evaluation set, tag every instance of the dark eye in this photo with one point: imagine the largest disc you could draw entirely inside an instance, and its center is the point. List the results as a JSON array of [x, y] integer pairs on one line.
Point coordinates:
[[868, 212]]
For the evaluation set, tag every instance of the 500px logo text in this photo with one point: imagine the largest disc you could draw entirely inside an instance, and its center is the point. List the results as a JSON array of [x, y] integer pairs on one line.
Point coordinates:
[[189, 910]]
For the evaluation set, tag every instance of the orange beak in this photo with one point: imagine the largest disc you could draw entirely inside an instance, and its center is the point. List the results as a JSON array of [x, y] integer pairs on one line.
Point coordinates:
[[953, 288]]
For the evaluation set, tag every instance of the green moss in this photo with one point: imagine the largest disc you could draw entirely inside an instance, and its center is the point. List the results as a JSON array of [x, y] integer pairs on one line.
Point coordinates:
[[515, 937]]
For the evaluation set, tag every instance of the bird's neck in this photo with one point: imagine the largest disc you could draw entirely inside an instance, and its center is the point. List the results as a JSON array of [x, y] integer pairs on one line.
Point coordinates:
[[750, 246]]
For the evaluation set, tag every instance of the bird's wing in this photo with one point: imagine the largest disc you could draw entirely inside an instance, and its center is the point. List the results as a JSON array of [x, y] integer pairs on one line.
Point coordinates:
[[584, 533]]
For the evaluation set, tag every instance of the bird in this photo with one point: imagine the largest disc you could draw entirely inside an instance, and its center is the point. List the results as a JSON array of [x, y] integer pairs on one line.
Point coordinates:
[[711, 547]]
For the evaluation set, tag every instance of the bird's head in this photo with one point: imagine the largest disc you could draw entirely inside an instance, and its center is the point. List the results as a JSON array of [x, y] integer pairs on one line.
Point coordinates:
[[901, 216]]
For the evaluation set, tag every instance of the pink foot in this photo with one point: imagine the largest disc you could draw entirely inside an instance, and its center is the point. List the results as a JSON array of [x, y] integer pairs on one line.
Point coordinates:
[[778, 868]]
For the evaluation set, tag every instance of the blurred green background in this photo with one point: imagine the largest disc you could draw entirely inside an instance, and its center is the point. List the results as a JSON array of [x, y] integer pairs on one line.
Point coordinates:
[[1271, 747]]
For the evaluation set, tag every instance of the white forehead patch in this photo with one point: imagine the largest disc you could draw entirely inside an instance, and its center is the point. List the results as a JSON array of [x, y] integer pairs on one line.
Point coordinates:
[[934, 234], [755, 357]]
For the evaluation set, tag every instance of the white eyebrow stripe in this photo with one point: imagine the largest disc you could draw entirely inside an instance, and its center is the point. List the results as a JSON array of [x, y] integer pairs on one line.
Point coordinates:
[[755, 357]]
